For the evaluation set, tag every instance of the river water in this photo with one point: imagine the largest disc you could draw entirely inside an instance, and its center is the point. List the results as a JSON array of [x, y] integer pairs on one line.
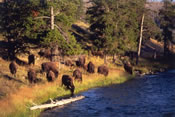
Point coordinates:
[[148, 96]]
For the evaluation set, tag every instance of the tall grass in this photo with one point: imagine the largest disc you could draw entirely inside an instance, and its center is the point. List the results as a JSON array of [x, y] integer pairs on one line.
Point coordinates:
[[17, 104]]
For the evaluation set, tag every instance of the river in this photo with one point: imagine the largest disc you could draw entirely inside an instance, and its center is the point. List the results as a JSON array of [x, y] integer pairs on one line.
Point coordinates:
[[148, 96]]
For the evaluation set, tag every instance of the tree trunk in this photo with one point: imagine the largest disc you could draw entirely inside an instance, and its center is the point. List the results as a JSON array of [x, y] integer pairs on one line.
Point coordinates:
[[51, 18], [54, 53], [166, 47], [113, 59], [140, 40], [57, 103], [105, 59]]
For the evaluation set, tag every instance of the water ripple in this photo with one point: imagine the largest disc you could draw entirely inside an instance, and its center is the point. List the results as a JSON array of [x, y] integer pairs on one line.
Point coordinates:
[[149, 96]]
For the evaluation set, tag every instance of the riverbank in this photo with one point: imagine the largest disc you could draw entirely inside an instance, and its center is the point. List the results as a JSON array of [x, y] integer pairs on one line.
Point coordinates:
[[19, 95], [149, 96], [17, 103]]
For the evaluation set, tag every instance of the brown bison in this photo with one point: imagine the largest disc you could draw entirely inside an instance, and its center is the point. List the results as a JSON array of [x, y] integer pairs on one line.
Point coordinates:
[[45, 53], [47, 66], [90, 67], [31, 59], [50, 76], [81, 61], [13, 68], [97, 53], [78, 75], [31, 76], [68, 82], [103, 70], [128, 67], [68, 63]]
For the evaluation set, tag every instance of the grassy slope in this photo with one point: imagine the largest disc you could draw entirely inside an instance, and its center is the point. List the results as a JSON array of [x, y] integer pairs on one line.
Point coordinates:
[[17, 95], [21, 96]]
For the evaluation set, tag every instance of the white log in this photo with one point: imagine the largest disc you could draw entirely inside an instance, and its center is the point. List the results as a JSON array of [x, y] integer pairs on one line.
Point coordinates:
[[57, 103]]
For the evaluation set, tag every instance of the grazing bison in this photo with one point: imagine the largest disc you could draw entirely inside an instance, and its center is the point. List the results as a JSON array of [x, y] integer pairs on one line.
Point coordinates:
[[90, 67], [103, 70], [68, 63], [31, 59], [81, 61], [85, 67], [78, 75], [97, 53], [128, 67], [31, 76], [68, 82], [50, 76], [47, 66], [13, 68], [45, 53]]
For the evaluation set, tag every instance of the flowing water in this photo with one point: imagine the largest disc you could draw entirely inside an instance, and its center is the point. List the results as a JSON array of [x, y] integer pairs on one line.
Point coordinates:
[[149, 96]]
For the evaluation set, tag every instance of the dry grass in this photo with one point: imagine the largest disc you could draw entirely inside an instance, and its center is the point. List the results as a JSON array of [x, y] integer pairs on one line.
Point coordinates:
[[21, 96], [82, 24]]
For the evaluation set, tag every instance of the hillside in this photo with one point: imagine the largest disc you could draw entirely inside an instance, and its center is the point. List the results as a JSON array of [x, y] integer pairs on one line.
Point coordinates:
[[17, 94]]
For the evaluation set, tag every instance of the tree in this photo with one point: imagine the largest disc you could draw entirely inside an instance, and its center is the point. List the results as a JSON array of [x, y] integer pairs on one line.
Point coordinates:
[[167, 16], [115, 24], [14, 14], [101, 25], [22, 26]]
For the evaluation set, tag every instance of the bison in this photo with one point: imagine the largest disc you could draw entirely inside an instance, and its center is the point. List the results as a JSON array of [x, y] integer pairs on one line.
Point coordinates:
[[103, 70], [97, 53], [68, 63], [50, 76], [31, 59], [68, 82], [45, 53], [81, 61], [128, 67], [31, 76], [78, 75], [90, 67], [47, 66], [13, 68]]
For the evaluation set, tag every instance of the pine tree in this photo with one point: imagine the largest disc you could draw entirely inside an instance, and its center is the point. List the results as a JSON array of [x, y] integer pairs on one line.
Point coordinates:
[[28, 22], [167, 15]]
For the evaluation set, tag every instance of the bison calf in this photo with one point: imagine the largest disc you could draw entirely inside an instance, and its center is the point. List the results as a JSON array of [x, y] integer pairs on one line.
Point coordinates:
[[13, 68], [50, 76], [103, 70], [90, 67], [78, 75], [31, 76], [68, 82]]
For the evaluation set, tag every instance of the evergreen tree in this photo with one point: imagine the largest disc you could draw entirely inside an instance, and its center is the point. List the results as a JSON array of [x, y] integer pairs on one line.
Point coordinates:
[[115, 24], [27, 21], [167, 16], [14, 14]]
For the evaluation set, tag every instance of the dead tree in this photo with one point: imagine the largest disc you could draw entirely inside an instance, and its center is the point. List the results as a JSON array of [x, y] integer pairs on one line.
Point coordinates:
[[140, 40]]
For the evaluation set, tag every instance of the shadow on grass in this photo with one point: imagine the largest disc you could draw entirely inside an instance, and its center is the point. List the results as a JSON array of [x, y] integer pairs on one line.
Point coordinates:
[[13, 79], [3, 49]]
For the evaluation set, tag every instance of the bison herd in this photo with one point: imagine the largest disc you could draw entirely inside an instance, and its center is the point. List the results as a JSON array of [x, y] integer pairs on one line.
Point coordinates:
[[51, 72]]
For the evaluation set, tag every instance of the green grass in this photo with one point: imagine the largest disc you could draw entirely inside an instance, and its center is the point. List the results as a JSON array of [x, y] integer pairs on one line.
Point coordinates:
[[40, 94]]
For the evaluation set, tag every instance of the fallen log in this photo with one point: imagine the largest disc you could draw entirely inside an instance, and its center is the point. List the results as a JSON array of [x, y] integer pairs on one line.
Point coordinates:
[[57, 103]]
